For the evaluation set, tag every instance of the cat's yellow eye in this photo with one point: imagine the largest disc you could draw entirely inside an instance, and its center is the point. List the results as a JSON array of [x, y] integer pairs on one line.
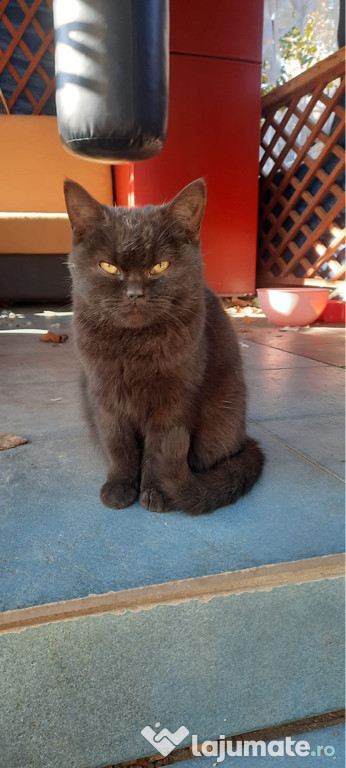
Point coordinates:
[[160, 267], [110, 268]]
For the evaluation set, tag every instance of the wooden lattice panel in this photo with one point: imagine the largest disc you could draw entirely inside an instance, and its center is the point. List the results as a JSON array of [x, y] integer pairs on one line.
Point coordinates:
[[302, 178], [27, 58]]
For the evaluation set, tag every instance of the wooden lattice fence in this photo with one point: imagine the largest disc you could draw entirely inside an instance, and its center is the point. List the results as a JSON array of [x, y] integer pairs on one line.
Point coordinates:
[[302, 179], [27, 79]]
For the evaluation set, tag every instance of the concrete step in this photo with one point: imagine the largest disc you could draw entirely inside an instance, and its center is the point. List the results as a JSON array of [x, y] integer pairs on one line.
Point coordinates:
[[81, 679]]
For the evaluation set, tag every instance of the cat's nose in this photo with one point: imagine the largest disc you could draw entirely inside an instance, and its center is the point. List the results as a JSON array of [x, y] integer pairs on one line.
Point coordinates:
[[135, 292]]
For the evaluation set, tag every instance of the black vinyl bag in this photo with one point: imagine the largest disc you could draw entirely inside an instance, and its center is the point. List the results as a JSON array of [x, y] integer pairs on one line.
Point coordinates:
[[112, 64]]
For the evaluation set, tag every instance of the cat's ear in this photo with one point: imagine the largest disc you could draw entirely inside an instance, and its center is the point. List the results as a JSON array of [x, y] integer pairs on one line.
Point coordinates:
[[83, 210], [188, 207]]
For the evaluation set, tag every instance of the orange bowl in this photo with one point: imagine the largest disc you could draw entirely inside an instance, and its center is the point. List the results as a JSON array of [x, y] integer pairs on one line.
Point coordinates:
[[292, 306]]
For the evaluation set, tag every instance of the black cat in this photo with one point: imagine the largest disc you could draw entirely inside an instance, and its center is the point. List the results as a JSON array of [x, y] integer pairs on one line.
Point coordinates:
[[163, 385]]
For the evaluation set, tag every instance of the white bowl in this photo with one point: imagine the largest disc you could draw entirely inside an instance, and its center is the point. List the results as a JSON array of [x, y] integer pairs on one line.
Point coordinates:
[[293, 306]]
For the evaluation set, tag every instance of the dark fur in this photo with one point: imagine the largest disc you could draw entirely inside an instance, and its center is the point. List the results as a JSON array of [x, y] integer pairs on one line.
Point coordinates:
[[162, 376]]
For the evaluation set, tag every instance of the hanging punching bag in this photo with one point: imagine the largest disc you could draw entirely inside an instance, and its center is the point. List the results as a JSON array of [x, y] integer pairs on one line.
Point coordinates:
[[111, 61]]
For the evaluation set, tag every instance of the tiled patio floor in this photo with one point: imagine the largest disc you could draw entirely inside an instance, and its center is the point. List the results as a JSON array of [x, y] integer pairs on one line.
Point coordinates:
[[59, 542]]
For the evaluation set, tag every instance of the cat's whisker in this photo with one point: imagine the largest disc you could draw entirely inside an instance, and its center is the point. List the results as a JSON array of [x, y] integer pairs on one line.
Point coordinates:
[[150, 458]]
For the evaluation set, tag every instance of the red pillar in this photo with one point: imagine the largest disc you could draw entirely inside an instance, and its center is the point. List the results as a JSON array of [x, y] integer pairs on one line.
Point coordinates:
[[214, 123]]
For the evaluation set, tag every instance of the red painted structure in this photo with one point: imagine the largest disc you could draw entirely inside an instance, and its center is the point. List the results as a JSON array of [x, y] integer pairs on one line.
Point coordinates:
[[335, 312], [214, 124]]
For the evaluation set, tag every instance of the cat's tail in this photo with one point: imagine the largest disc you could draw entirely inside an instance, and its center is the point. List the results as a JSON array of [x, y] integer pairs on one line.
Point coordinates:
[[199, 492]]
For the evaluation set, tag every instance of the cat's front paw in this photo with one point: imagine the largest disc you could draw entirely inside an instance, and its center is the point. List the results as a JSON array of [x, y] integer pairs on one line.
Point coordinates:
[[154, 500], [118, 495]]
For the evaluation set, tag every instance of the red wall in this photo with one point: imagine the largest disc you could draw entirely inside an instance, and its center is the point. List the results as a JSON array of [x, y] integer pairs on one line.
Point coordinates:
[[228, 28], [213, 132]]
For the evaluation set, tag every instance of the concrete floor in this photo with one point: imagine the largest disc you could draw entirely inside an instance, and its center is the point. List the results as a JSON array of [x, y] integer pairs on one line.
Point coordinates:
[[59, 542], [76, 693]]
